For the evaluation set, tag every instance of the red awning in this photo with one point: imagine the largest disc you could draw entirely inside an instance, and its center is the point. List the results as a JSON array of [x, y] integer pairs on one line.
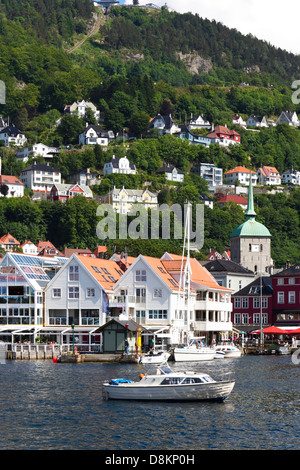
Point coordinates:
[[271, 330]]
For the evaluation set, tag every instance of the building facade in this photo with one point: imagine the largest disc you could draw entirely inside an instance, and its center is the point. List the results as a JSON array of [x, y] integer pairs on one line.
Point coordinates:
[[40, 177]]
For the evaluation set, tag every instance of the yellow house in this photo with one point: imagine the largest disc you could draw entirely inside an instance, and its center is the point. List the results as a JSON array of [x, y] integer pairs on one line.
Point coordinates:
[[123, 199]]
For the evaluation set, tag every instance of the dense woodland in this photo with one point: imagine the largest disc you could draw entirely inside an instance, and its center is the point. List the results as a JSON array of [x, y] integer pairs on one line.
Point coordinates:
[[131, 71]]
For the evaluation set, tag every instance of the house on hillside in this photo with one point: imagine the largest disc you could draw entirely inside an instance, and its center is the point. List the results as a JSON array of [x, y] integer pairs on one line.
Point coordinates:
[[240, 175], [93, 135], [198, 122], [14, 185], [46, 248], [186, 133], [289, 118], [239, 121], [9, 243], [10, 135], [172, 173], [40, 177], [239, 200], [63, 192], [224, 136], [257, 121], [123, 200], [36, 150], [29, 248], [212, 175], [84, 177], [268, 175], [119, 165], [80, 108], [291, 176], [164, 124]]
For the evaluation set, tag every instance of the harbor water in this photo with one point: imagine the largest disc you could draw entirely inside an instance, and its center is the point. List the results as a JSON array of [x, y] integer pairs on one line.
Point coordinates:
[[48, 406]]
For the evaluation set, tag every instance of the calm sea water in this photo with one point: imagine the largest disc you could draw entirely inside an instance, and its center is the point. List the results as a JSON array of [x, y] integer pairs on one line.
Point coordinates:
[[47, 406]]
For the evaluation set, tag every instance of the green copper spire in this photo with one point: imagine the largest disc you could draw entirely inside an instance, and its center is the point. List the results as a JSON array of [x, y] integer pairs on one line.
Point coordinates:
[[250, 212]]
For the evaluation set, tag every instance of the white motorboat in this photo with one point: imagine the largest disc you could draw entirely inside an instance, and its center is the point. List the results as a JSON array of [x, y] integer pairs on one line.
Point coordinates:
[[193, 352], [167, 385], [229, 349], [155, 357], [219, 354]]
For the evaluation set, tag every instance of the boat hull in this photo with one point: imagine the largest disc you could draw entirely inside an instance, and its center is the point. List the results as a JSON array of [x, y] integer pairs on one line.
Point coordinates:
[[155, 359], [193, 355], [215, 391]]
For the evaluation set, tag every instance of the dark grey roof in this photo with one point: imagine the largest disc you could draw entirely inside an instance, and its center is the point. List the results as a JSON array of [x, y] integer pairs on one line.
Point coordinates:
[[11, 130], [204, 197], [132, 325], [40, 167], [167, 120], [98, 129], [292, 271], [223, 265], [253, 289], [167, 168]]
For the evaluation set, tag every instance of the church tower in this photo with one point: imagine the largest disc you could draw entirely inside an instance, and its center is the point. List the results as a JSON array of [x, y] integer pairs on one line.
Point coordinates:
[[250, 242]]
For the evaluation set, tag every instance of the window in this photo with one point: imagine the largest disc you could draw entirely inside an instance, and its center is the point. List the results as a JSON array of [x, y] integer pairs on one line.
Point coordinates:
[[158, 314], [157, 293], [140, 275], [292, 297], [280, 297], [90, 292], [56, 293], [245, 318], [256, 318], [73, 273], [245, 302], [140, 313], [73, 292], [256, 302], [237, 318], [237, 302], [280, 281], [264, 302], [291, 280]]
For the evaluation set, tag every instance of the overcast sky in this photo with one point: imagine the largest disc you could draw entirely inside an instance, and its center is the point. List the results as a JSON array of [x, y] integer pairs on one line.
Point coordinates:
[[271, 20]]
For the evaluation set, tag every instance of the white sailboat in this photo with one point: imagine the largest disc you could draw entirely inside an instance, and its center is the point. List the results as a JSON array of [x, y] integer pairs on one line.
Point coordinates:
[[194, 350]]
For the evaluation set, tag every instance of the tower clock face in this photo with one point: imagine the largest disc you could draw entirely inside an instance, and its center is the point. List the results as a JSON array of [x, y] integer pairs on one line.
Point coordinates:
[[255, 248]]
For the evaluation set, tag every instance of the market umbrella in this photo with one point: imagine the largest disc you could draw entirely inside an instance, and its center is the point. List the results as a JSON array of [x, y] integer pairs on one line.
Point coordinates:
[[273, 330], [294, 332]]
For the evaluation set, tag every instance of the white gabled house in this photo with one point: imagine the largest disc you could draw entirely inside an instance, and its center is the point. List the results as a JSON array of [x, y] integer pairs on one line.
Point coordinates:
[[93, 135], [289, 118], [257, 121], [149, 293], [12, 136], [79, 292], [198, 122]]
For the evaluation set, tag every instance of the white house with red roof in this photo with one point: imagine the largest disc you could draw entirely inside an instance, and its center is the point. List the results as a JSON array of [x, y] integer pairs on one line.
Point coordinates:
[[268, 175], [9, 243], [14, 185], [29, 248], [240, 174], [149, 293], [240, 200], [224, 136], [79, 293]]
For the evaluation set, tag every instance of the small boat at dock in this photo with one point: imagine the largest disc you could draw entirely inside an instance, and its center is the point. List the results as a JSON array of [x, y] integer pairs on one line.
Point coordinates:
[[155, 357]]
